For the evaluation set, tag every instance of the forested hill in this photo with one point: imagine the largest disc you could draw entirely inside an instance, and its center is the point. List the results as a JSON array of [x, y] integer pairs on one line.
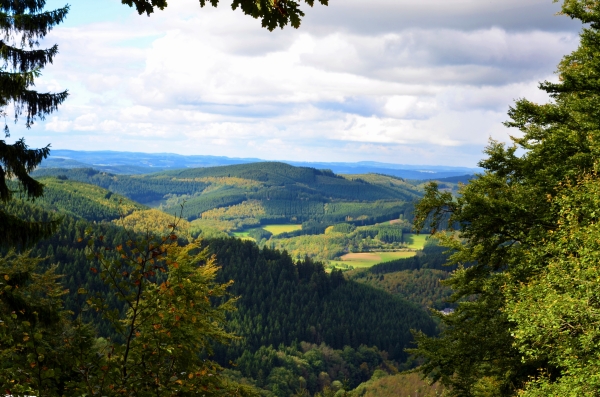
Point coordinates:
[[281, 192], [302, 182], [281, 301], [84, 200]]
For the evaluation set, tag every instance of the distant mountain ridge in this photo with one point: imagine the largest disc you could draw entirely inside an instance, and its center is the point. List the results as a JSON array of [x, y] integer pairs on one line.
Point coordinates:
[[143, 163]]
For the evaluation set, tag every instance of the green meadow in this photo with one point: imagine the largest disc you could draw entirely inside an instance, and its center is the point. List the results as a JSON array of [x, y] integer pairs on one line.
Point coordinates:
[[415, 241], [368, 259], [274, 229], [279, 229]]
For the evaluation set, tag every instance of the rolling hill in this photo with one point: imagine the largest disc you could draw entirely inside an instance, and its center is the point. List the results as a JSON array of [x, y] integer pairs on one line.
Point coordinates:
[[283, 192], [84, 200]]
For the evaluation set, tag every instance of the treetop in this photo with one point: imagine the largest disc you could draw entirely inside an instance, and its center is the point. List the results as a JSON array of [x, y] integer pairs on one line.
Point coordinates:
[[273, 13]]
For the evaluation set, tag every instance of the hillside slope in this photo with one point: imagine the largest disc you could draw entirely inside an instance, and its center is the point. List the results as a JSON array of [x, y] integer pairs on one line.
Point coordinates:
[[281, 301], [283, 192], [84, 200]]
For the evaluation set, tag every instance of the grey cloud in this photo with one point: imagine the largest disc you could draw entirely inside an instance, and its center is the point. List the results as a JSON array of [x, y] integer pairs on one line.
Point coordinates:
[[444, 56], [381, 16]]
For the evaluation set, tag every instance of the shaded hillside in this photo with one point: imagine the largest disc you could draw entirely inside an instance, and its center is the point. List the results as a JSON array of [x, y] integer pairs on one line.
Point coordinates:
[[140, 188], [282, 302]]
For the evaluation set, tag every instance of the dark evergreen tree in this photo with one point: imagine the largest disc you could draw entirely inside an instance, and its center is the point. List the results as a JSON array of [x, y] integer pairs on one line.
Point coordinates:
[[23, 23]]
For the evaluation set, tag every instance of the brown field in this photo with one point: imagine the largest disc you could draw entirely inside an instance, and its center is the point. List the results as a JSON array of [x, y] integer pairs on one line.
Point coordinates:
[[361, 256]]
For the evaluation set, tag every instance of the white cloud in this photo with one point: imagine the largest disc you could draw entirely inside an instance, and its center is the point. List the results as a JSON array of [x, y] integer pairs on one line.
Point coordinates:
[[213, 82]]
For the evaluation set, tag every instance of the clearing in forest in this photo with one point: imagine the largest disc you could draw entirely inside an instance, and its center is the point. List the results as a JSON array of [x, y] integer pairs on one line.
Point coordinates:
[[278, 229], [415, 241], [368, 259]]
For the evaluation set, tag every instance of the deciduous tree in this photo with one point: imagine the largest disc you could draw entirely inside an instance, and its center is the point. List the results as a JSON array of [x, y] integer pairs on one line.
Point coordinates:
[[272, 13]]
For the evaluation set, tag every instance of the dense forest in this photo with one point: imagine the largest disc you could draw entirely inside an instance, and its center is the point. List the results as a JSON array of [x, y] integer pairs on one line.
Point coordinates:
[[282, 302], [286, 193], [246, 199]]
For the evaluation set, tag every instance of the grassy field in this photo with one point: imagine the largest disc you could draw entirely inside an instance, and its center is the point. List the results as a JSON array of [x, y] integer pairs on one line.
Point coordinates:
[[368, 259], [274, 229], [415, 241], [278, 229], [240, 234]]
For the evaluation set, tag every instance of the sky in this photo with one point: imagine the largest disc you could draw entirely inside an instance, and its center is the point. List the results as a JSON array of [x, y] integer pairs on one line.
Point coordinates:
[[397, 81]]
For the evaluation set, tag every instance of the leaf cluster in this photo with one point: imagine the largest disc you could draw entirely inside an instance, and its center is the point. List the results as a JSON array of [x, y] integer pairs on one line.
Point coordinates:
[[272, 13]]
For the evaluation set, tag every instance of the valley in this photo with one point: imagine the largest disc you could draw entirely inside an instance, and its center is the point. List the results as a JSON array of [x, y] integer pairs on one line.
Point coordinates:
[[320, 261]]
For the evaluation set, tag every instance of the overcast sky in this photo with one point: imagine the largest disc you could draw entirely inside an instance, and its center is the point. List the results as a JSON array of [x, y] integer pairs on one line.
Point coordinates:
[[400, 81]]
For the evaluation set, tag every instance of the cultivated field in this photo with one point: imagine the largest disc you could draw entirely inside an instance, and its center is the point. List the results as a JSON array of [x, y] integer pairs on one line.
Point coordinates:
[[274, 229], [278, 229], [368, 259]]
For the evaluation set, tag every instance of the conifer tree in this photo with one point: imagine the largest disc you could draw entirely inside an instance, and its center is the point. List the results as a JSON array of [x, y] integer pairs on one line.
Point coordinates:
[[23, 23], [527, 281]]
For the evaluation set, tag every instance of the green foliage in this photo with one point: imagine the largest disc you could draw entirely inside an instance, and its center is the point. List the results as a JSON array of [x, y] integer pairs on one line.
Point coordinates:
[[320, 247], [272, 14], [264, 193], [522, 324], [314, 368], [158, 309], [24, 23], [340, 239], [433, 257], [341, 228], [35, 339], [84, 200], [140, 188], [169, 320], [556, 312], [259, 234], [419, 286], [399, 385], [282, 302], [415, 279]]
